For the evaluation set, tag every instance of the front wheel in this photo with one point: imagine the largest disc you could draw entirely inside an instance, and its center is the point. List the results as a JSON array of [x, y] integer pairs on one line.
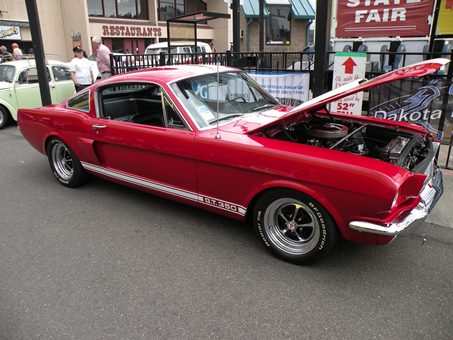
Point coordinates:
[[64, 163], [294, 226], [4, 117]]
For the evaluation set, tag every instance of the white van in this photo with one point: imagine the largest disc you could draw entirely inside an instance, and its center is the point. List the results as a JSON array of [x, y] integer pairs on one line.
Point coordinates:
[[178, 47]]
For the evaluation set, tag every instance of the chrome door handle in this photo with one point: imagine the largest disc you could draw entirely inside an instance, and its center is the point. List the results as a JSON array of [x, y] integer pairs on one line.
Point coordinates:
[[98, 127]]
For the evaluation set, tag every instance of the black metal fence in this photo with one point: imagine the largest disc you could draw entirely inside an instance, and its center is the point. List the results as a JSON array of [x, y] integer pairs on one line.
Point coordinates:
[[377, 64]]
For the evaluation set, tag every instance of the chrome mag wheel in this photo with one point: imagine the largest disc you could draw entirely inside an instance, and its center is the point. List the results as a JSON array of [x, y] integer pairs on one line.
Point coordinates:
[[294, 226], [291, 226], [62, 161], [64, 164]]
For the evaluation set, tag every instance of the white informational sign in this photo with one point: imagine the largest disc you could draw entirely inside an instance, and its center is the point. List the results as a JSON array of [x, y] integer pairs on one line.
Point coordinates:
[[348, 66], [290, 88], [10, 33]]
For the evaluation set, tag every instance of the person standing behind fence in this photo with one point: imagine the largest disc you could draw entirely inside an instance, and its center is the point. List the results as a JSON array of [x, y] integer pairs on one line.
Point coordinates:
[[102, 57], [5, 55], [17, 52], [81, 70]]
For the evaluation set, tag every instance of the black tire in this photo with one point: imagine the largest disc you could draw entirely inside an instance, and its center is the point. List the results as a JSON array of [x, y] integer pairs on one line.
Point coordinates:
[[294, 226], [4, 117], [64, 164]]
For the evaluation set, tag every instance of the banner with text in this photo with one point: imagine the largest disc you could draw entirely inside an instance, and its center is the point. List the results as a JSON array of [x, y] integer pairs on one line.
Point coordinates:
[[445, 20], [415, 101], [348, 66], [289, 88], [383, 18], [10, 33]]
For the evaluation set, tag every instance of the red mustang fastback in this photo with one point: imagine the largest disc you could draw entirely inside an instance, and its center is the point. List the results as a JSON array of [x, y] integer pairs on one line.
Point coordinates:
[[211, 137]]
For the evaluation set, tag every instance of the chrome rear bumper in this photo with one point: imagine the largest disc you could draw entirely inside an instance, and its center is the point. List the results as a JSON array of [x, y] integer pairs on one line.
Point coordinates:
[[429, 197]]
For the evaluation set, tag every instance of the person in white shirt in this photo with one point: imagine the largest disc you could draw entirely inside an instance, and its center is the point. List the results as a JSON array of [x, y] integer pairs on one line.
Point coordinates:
[[81, 70]]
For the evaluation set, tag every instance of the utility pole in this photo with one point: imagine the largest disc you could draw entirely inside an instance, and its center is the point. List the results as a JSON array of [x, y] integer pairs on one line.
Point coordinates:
[[261, 9], [38, 50], [235, 7], [322, 37]]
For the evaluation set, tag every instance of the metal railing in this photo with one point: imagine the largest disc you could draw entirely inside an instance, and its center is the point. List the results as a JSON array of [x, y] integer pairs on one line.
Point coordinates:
[[377, 63]]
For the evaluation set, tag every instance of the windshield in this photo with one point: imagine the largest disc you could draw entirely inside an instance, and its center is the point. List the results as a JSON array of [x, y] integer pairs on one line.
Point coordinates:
[[7, 73], [233, 95]]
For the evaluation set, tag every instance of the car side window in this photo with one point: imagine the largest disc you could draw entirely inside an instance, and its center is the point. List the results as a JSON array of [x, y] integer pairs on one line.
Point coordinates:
[[139, 103], [30, 76], [61, 73], [80, 102]]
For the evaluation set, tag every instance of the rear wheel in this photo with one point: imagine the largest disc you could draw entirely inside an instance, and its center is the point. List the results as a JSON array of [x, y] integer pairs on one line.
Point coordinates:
[[294, 226], [4, 117], [64, 163]]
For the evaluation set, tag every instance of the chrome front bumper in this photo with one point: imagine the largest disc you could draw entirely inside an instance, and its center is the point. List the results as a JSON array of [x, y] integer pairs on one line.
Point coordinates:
[[429, 197]]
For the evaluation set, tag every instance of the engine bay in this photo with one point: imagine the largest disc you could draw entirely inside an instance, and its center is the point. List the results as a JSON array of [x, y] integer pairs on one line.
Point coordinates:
[[401, 148]]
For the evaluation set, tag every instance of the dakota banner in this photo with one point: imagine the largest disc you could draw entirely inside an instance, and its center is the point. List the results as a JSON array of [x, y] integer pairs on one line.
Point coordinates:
[[415, 101], [383, 18]]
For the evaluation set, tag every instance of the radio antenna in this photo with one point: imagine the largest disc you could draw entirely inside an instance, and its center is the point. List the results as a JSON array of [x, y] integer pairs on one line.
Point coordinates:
[[217, 135]]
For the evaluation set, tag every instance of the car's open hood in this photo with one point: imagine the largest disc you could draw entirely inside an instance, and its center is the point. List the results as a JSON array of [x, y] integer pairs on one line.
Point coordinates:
[[415, 70]]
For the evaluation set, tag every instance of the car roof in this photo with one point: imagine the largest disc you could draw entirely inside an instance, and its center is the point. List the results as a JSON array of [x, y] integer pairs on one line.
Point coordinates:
[[166, 74], [31, 62], [176, 44]]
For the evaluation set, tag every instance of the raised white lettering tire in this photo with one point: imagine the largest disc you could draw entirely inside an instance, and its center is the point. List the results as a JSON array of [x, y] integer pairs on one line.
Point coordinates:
[[294, 226], [64, 164]]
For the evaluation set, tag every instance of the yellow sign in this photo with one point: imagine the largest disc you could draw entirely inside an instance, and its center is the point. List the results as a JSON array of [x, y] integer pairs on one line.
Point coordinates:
[[444, 22]]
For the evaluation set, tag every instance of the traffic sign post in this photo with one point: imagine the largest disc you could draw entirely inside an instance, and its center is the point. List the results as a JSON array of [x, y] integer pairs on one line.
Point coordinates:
[[348, 66]]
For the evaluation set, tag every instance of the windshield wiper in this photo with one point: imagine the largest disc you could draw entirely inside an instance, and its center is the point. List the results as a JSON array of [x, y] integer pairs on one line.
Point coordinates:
[[265, 106], [226, 117]]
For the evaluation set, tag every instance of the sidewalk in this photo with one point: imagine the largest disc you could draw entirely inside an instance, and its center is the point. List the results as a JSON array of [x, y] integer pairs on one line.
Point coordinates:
[[442, 214]]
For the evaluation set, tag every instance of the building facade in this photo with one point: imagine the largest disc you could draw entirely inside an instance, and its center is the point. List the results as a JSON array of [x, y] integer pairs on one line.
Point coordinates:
[[128, 26]]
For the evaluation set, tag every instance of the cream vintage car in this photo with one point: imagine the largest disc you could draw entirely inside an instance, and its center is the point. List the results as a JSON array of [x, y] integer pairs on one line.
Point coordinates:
[[19, 87]]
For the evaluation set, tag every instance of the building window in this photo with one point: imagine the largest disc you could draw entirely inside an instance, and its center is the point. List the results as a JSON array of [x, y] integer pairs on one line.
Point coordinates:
[[168, 9], [126, 9], [195, 6], [278, 25], [95, 8]]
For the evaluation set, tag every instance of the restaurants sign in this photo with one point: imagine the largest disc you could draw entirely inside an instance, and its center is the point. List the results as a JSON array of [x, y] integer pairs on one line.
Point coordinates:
[[383, 18], [126, 31], [10, 33]]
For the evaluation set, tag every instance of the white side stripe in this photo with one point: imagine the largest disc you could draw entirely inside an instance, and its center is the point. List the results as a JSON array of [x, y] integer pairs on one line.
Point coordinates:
[[206, 200]]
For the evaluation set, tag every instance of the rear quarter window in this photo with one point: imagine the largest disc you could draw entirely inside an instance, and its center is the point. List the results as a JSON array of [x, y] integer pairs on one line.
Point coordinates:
[[80, 102]]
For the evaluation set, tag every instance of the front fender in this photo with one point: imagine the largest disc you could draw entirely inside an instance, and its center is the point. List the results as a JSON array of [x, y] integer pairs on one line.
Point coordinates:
[[296, 186], [11, 109]]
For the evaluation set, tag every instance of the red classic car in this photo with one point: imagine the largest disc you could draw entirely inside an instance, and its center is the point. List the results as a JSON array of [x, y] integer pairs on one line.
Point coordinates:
[[211, 137]]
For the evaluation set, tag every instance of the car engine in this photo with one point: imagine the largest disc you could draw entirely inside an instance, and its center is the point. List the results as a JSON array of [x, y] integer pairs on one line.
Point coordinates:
[[390, 145]]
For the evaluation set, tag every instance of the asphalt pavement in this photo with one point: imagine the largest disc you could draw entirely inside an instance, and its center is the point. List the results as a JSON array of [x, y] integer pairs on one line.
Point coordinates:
[[108, 262]]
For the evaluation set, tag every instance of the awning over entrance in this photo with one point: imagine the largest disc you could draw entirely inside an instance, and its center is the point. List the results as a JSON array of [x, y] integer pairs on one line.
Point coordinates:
[[199, 17], [300, 9], [14, 23], [251, 9], [194, 19]]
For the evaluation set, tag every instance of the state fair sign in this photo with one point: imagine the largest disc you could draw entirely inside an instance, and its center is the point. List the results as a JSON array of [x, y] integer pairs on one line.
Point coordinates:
[[383, 18]]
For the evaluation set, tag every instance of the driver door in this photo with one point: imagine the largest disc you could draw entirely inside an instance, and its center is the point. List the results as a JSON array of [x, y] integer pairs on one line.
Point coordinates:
[[135, 141], [26, 88]]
